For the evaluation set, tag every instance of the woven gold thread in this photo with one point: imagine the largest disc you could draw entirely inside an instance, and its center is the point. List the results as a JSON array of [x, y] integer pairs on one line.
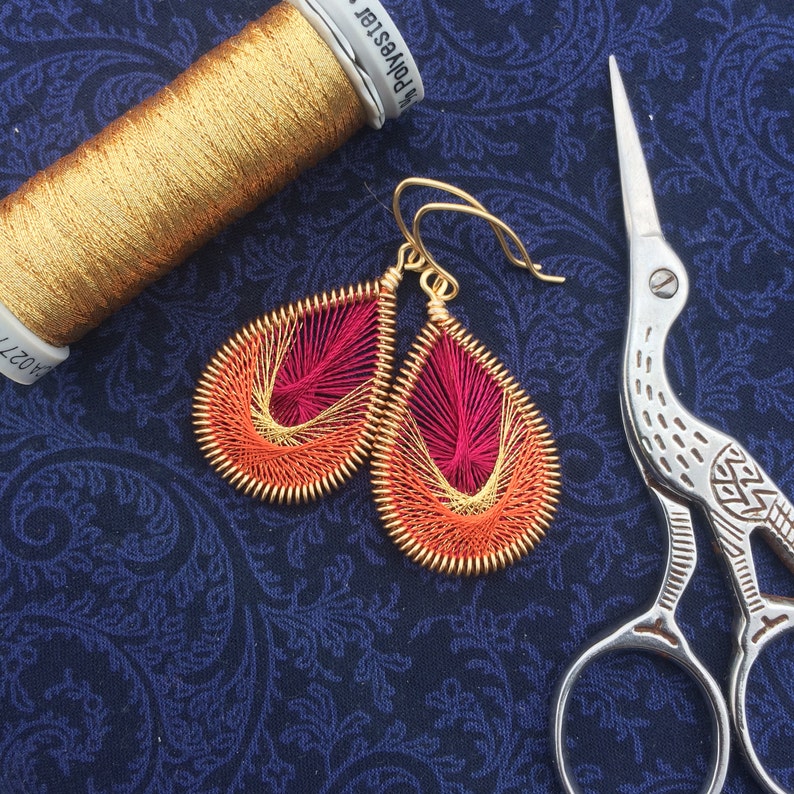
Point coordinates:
[[84, 236]]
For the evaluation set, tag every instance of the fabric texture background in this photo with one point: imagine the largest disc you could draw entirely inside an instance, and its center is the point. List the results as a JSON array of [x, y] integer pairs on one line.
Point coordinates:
[[160, 632]]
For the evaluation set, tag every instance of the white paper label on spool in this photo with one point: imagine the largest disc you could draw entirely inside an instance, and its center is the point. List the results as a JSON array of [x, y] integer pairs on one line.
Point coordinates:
[[23, 356], [372, 52]]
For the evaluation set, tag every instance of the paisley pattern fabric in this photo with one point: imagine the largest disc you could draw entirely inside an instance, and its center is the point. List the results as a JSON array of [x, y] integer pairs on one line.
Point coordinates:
[[162, 632]]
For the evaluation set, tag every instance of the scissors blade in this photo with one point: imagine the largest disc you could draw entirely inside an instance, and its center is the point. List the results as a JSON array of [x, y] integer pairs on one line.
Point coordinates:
[[639, 207]]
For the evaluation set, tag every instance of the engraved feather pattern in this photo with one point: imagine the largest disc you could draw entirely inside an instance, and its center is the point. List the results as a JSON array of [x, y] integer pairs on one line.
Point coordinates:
[[705, 465]]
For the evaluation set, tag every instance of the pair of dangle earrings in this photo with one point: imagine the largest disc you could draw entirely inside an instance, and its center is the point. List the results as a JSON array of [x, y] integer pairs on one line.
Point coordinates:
[[464, 471]]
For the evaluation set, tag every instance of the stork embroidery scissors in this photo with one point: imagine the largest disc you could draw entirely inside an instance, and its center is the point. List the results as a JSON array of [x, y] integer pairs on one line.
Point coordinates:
[[684, 462]]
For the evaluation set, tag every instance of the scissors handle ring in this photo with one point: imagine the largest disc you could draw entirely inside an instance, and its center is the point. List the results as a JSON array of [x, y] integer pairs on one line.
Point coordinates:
[[755, 633], [653, 632]]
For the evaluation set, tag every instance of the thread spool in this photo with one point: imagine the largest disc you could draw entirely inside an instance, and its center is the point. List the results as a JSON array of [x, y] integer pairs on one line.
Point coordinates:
[[155, 184]]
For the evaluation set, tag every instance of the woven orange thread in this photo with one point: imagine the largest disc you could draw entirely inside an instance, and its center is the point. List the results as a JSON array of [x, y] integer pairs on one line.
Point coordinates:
[[431, 520], [338, 349]]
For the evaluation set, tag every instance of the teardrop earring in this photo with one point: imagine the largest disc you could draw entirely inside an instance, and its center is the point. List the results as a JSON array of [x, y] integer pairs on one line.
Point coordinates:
[[287, 408], [465, 472]]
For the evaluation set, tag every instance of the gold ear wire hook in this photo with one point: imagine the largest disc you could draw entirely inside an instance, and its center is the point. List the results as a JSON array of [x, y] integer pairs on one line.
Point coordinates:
[[419, 181], [411, 258], [444, 286]]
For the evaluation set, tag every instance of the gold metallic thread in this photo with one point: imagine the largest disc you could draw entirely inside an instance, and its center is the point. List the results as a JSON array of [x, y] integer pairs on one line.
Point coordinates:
[[84, 236]]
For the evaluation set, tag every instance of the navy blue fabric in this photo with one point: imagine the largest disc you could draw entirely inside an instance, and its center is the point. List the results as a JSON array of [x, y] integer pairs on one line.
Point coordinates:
[[160, 632]]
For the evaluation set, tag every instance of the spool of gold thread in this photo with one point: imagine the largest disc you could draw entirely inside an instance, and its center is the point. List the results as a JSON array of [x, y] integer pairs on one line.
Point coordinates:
[[84, 236]]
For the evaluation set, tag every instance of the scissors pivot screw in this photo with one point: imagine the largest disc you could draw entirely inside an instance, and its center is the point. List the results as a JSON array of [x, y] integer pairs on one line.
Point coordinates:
[[664, 283]]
